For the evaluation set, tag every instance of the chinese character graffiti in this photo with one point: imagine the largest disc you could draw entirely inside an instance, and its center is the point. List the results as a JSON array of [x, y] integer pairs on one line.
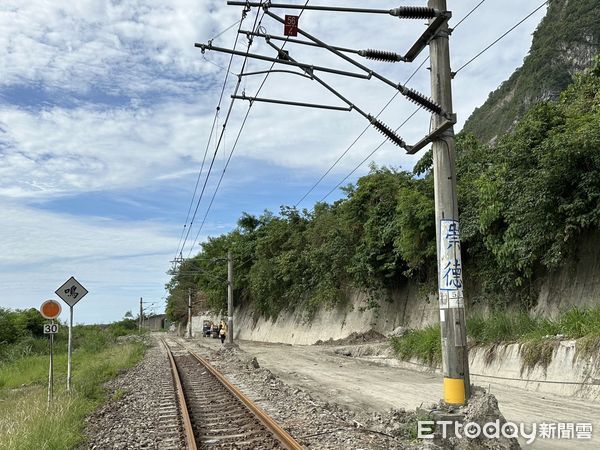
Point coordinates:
[[450, 267]]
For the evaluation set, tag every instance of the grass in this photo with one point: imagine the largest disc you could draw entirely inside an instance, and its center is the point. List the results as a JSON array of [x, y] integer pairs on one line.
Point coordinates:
[[422, 344], [515, 327], [25, 420], [505, 327], [537, 352]]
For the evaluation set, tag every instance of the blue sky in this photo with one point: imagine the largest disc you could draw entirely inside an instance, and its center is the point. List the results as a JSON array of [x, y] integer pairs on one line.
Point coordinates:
[[106, 109]]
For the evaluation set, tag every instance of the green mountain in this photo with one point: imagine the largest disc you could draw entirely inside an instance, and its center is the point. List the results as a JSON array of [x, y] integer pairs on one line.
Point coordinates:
[[565, 43]]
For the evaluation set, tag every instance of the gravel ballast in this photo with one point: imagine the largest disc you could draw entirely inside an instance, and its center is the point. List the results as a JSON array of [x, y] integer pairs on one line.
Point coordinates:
[[142, 410], [142, 406]]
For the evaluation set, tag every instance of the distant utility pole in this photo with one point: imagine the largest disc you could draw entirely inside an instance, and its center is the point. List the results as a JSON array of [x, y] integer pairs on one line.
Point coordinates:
[[189, 324], [141, 315], [229, 298], [455, 358]]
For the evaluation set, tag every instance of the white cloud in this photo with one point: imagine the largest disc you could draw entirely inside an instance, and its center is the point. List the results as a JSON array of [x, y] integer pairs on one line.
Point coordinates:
[[129, 46], [74, 140], [133, 46], [117, 261]]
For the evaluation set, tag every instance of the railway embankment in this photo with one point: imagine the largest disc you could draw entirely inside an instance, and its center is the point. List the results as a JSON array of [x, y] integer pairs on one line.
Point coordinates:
[[555, 355]]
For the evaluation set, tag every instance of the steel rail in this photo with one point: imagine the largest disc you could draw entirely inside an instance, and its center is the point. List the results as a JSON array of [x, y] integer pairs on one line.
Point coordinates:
[[187, 422], [283, 436]]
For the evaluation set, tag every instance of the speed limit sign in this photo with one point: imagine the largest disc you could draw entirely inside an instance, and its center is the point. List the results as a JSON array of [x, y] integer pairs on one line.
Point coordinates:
[[50, 328]]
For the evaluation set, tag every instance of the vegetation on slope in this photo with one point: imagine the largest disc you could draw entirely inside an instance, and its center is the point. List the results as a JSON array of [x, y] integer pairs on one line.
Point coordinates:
[[564, 43], [523, 205], [25, 420], [538, 336]]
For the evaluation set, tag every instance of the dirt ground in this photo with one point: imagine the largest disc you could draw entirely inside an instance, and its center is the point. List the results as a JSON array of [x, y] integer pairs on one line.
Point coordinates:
[[366, 386]]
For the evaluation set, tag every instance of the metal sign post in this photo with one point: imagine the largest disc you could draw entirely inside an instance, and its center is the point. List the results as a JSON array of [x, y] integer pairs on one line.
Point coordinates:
[[51, 370], [71, 292], [50, 309], [70, 349]]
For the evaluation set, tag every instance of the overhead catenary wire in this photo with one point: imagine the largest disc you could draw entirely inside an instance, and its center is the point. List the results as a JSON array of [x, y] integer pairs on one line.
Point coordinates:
[[217, 109], [343, 154], [227, 29], [367, 157], [220, 137], [469, 13], [235, 142], [500, 38]]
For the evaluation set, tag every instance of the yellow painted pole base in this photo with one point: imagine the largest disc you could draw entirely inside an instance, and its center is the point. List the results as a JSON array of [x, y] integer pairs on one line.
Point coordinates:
[[454, 391]]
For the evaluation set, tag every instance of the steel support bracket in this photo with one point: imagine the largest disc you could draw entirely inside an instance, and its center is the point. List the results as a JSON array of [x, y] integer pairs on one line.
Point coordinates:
[[427, 35], [433, 136]]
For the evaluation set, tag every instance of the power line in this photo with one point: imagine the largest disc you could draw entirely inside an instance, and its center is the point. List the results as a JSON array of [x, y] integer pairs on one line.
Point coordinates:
[[469, 13], [227, 29], [368, 156], [236, 140], [501, 37], [335, 163], [222, 132], [210, 135], [219, 142]]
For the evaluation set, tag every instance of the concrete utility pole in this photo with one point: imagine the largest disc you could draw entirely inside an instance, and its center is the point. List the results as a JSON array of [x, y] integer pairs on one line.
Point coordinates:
[[189, 324], [141, 312], [455, 359], [229, 298]]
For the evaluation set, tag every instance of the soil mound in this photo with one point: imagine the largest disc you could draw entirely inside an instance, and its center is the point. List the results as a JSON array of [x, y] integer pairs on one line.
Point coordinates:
[[355, 338]]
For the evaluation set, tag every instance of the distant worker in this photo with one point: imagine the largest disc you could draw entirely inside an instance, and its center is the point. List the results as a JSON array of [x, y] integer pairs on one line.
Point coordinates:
[[222, 332]]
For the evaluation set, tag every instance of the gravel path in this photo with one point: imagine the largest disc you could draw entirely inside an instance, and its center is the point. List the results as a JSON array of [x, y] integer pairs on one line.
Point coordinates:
[[142, 411]]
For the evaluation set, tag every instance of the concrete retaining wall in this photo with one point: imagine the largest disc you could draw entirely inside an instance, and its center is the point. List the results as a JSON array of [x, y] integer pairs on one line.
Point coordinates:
[[407, 308], [567, 374], [573, 286]]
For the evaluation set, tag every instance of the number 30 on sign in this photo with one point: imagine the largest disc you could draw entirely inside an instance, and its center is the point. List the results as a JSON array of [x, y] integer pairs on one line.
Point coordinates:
[[50, 328]]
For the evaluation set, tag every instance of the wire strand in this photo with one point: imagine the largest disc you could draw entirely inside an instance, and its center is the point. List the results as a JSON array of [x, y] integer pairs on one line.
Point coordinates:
[[220, 138], [367, 157], [226, 29], [185, 227], [237, 139], [343, 154], [469, 13], [500, 38]]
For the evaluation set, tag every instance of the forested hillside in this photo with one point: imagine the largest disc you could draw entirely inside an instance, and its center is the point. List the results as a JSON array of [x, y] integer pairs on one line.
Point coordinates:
[[523, 204], [564, 44]]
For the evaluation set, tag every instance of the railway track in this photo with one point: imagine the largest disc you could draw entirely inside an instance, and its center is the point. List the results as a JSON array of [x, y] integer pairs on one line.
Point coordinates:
[[215, 414]]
